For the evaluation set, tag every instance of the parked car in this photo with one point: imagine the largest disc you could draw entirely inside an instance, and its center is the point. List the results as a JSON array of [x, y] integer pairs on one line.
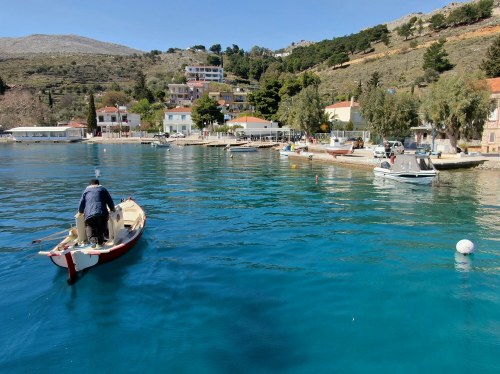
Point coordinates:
[[356, 142], [161, 135], [178, 135], [397, 148]]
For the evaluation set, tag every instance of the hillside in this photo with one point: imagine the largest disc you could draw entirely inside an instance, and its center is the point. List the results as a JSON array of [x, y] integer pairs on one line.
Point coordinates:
[[70, 75], [59, 44]]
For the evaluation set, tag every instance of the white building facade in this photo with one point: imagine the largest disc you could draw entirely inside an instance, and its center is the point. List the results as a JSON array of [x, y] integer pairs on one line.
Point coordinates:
[[345, 112], [204, 73], [53, 134], [113, 120], [178, 120]]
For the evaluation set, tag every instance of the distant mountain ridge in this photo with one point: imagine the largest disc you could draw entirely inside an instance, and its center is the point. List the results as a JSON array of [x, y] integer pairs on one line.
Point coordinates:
[[60, 44]]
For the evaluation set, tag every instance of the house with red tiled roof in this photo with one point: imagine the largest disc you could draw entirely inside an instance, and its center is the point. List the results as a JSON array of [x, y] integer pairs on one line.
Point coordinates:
[[178, 120], [345, 112], [490, 142], [249, 125], [111, 119]]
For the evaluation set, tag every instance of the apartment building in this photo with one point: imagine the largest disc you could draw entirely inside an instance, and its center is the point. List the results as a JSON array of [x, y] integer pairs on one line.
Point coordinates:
[[204, 73]]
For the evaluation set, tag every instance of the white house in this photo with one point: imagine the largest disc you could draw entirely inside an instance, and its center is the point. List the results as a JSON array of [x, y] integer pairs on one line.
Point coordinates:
[[257, 127], [178, 120], [345, 112], [491, 133], [54, 134], [204, 73], [113, 119]]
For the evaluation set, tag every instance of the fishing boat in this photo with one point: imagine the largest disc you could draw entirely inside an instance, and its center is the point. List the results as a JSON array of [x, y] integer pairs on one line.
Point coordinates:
[[338, 147], [74, 252], [411, 168]]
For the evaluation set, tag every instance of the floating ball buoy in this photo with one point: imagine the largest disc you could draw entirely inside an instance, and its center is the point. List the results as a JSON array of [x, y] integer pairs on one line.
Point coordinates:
[[465, 246], [104, 150]]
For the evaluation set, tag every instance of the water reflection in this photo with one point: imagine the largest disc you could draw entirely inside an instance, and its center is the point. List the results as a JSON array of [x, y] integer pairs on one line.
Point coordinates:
[[463, 263]]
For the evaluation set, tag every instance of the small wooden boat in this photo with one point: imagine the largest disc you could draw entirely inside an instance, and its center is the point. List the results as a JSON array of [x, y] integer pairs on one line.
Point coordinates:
[[338, 147], [409, 168], [74, 252]]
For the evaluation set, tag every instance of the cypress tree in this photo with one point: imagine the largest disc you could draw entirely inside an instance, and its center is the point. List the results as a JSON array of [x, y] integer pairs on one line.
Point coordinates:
[[51, 102], [91, 115], [3, 87]]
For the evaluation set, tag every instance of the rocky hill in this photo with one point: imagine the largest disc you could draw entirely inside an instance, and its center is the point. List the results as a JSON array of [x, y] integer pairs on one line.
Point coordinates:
[[70, 66], [60, 44]]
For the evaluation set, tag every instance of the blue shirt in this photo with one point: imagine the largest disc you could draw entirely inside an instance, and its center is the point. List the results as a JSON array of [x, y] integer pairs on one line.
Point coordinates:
[[95, 201]]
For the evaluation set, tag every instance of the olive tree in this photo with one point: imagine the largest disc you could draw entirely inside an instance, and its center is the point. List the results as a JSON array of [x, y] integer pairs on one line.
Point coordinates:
[[389, 114], [457, 105]]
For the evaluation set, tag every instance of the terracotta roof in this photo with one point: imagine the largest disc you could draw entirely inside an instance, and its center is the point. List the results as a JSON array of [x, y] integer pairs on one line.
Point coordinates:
[[494, 84], [343, 104], [179, 110], [250, 119], [110, 109]]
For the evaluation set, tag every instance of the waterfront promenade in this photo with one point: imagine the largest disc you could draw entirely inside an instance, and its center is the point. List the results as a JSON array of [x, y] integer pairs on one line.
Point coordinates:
[[361, 158]]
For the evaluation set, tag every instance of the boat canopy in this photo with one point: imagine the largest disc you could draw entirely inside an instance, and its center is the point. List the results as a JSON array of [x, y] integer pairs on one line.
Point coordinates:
[[411, 163]]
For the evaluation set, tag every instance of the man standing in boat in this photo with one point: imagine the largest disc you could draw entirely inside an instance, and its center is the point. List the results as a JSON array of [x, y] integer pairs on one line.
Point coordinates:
[[94, 205]]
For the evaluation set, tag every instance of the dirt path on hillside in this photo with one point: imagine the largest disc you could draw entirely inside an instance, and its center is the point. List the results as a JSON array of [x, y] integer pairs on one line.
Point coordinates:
[[489, 30]]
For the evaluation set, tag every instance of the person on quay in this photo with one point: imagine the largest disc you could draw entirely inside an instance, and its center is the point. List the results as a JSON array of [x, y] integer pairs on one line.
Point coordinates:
[[94, 205]]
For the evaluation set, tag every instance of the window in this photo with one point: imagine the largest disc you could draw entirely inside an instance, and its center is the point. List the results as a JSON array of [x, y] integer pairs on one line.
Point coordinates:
[[101, 119], [113, 118], [170, 117], [492, 137], [493, 115], [183, 117], [124, 118]]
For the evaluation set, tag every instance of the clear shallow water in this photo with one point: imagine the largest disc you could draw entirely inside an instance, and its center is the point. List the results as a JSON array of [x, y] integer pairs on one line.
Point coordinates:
[[247, 265]]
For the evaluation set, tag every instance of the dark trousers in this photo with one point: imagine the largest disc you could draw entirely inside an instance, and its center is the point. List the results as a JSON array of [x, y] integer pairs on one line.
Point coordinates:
[[96, 227]]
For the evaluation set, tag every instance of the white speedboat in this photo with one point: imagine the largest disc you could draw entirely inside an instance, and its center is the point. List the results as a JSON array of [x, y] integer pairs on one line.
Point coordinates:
[[241, 148], [408, 168]]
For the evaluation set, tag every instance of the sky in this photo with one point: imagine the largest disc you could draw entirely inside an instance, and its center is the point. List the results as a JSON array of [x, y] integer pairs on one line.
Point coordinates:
[[150, 24]]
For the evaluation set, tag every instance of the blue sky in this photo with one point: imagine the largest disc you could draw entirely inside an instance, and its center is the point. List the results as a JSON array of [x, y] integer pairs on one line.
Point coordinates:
[[148, 25]]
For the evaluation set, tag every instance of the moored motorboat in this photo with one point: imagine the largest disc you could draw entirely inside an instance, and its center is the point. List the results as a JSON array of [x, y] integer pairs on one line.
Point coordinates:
[[337, 147], [241, 148], [161, 142], [409, 168], [74, 252]]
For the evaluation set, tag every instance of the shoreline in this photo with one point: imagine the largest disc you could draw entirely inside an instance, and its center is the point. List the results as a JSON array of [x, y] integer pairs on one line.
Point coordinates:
[[362, 158]]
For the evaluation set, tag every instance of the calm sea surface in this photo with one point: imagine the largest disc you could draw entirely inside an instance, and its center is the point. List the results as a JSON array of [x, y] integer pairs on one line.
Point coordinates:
[[247, 265]]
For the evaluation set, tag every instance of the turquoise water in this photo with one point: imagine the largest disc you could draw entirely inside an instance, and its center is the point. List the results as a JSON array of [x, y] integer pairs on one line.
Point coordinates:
[[247, 265]]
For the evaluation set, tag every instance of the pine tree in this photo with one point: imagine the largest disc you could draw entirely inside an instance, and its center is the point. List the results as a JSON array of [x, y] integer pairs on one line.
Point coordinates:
[[435, 57], [141, 90], [491, 65], [91, 115]]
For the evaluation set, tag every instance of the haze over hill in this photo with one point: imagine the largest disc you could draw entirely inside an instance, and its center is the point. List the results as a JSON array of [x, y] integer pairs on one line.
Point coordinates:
[[61, 44]]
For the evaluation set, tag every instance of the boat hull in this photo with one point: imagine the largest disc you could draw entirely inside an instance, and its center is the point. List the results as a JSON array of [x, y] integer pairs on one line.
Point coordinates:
[[424, 177], [242, 149]]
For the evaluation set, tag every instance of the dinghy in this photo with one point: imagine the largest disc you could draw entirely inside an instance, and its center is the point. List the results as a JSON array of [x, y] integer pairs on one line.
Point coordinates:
[[74, 252]]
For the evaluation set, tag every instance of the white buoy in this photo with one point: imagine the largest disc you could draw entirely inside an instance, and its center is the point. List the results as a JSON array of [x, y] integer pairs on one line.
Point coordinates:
[[465, 247]]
